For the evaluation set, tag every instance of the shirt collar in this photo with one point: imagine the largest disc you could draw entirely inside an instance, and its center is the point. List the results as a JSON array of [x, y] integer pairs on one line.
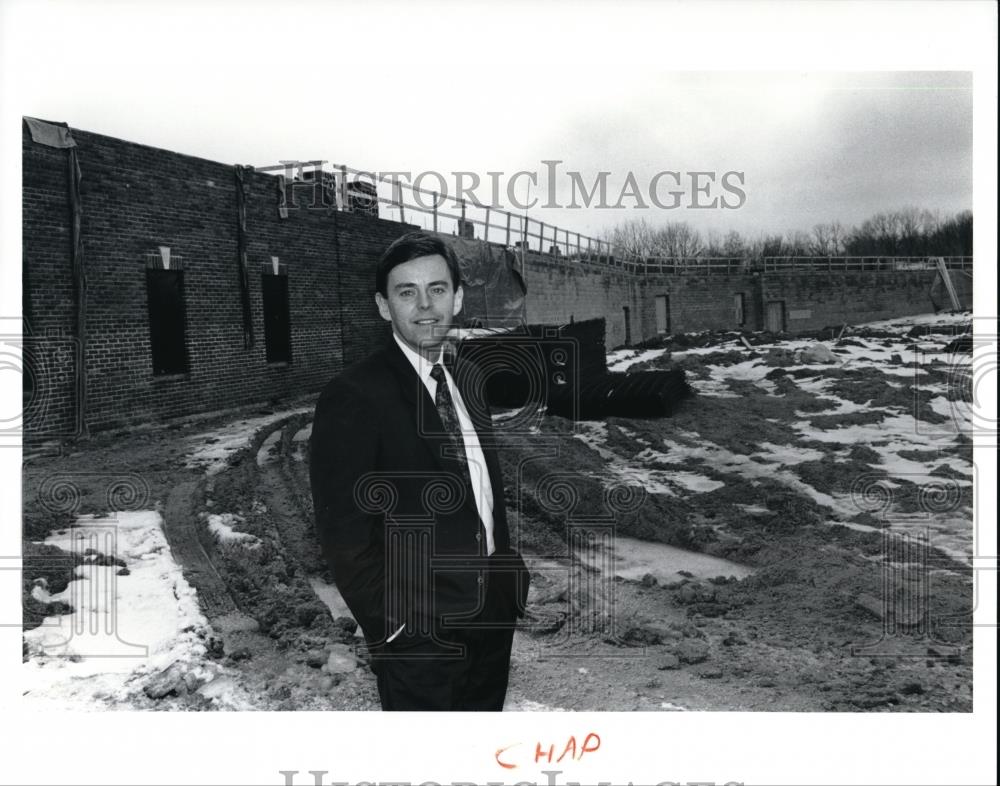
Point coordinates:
[[420, 364]]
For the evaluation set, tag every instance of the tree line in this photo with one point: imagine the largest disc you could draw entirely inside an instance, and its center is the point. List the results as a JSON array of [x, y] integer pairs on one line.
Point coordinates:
[[909, 231]]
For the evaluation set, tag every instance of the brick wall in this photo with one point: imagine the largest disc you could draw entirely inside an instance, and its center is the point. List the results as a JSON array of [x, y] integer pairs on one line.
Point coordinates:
[[136, 198], [51, 354]]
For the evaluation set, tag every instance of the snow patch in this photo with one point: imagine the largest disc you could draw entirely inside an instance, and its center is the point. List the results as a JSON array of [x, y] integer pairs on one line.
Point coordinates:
[[717, 388], [622, 359], [124, 629], [221, 526], [903, 324], [527, 705], [270, 449], [211, 450], [787, 454]]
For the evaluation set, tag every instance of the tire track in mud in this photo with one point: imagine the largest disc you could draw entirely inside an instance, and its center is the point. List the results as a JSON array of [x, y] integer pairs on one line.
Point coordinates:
[[183, 531], [286, 481], [287, 507]]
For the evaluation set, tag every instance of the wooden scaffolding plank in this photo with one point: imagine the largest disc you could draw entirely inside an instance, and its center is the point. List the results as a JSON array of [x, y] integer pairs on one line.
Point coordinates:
[[946, 277]]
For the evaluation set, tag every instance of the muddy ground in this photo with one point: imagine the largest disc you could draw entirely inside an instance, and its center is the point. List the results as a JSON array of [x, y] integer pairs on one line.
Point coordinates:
[[825, 617]]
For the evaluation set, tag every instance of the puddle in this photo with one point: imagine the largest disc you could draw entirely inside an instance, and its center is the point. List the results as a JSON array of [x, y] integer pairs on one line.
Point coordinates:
[[632, 558]]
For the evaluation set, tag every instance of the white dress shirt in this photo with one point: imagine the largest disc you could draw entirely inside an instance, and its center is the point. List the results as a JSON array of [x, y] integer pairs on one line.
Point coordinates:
[[479, 475]]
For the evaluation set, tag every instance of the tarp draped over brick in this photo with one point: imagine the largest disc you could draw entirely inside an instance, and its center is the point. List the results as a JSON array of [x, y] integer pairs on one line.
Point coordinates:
[[493, 283], [242, 191], [279, 182], [49, 134]]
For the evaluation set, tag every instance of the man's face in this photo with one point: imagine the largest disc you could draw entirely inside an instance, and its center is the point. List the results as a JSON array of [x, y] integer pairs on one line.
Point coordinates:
[[421, 303]]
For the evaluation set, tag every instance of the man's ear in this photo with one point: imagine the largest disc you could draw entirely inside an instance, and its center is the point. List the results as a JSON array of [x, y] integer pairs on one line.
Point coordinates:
[[383, 306], [459, 294]]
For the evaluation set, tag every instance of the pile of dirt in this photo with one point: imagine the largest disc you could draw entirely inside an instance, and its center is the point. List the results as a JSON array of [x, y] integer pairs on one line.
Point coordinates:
[[557, 499]]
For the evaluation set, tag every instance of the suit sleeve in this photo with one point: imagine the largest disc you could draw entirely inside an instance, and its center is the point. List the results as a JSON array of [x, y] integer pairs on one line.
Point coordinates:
[[342, 449]]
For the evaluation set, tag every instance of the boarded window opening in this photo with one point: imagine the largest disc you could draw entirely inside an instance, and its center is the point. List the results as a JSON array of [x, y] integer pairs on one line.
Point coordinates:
[[774, 318], [277, 320], [662, 313], [165, 297]]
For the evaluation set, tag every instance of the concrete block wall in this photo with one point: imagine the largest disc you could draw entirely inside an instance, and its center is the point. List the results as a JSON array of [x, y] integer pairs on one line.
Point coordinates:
[[817, 300], [702, 302], [560, 291]]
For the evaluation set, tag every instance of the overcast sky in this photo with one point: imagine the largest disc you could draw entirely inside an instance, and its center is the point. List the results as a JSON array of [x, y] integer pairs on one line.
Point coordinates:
[[249, 84]]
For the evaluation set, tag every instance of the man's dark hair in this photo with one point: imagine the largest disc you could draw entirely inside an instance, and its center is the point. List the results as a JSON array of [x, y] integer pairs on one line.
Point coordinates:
[[412, 246]]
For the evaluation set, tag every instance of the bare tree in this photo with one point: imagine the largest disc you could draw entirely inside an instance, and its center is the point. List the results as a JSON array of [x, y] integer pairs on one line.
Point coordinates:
[[713, 244], [633, 238], [679, 240], [734, 245], [908, 231], [828, 239], [797, 243]]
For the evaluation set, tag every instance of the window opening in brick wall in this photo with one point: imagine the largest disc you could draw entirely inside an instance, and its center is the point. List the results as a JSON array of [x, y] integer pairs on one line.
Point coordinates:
[[740, 307], [165, 297], [277, 321]]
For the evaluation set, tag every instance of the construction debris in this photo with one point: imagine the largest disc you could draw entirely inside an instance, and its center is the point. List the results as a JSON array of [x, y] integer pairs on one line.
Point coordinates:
[[644, 394], [817, 353]]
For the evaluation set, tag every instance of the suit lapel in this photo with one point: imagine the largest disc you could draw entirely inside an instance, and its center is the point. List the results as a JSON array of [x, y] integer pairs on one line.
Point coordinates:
[[429, 426]]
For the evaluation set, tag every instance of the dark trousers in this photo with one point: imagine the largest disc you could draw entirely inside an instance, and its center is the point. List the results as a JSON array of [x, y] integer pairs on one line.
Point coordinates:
[[459, 669]]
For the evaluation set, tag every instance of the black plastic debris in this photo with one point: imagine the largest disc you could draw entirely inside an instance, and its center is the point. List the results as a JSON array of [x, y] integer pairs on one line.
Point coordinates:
[[644, 394], [525, 363], [564, 368]]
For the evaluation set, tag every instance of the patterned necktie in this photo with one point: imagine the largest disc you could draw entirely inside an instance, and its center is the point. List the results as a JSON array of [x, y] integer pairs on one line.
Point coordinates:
[[449, 418]]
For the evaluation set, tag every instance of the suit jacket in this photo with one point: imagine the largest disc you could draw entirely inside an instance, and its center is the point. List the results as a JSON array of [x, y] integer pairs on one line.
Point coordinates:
[[396, 522]]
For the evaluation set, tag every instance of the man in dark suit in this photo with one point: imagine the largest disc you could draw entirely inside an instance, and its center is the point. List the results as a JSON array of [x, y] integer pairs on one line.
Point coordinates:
[[409, 498]]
